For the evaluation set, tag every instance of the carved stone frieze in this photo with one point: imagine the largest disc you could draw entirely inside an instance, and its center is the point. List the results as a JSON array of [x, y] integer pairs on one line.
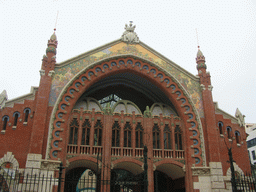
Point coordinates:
[[50, 165], [200, 171]]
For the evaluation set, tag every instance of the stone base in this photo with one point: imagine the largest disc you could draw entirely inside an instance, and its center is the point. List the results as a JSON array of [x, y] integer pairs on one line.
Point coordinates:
[[210, 178]]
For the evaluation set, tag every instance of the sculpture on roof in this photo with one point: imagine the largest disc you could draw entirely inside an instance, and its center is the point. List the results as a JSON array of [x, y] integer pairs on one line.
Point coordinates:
[[129, 35], [3, 98], [240, 117]]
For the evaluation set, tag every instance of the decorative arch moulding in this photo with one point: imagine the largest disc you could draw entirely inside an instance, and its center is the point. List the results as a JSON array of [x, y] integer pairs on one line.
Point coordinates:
[[150, 71]]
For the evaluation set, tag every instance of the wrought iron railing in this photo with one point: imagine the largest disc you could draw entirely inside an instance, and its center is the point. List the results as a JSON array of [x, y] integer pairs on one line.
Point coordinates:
[[29, 179]]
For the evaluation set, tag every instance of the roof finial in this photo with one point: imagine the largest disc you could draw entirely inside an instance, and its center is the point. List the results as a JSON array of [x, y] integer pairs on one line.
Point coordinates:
[[197, 39], [56, 21], [129, 35]]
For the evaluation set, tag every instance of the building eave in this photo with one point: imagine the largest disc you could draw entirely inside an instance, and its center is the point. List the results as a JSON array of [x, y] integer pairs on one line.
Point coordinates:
[[196, 78], [21, 99], [96, 50], [225, 114], [88, 53]]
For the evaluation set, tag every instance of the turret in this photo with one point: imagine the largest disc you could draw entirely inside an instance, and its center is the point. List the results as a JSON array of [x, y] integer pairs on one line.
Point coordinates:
[[49, 59], [200, 60], [40, 125], [205, 78], [209, 110]]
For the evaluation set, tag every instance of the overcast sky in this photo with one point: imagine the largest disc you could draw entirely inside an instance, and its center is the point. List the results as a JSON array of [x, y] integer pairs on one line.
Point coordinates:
[[226, 33]]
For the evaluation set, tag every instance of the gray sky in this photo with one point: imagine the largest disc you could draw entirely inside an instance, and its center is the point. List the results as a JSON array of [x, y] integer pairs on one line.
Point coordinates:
[[226, 31]]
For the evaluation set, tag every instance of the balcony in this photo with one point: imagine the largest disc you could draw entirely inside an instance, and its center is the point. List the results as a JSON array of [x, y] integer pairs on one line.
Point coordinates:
[[125, 151]]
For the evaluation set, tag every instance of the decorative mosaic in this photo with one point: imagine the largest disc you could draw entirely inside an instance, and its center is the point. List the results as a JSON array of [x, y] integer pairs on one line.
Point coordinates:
[[64, 74], [178, 93]]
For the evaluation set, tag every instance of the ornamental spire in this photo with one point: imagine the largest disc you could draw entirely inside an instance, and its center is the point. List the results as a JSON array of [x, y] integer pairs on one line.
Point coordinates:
[[129, 35], [49, 59], [52, 43], [200, 59]]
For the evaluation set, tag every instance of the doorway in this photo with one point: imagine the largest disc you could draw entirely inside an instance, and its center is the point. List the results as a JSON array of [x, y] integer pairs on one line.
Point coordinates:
[[164, 183]]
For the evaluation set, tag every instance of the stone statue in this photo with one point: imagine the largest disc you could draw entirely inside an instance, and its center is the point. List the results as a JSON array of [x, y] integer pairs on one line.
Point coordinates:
[[3, 98], [240, 118], [129, 35]]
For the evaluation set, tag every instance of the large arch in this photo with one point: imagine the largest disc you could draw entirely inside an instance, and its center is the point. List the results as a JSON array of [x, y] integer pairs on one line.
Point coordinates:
[[141, 67], [129, 164], [79, 161]]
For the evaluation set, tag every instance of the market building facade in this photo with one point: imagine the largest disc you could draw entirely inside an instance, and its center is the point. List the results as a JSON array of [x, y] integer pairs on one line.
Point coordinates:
[[98, 111]]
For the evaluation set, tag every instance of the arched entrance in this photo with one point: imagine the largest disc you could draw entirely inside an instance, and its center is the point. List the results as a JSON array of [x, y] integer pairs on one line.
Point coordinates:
[[164, 183], [144, 105], [169, 177], [123, 180], [81, 175], [80, 179]]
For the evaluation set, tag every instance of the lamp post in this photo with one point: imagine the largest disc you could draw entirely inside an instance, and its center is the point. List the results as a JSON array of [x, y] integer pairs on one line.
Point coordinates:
[[231, 160], [233, 179]]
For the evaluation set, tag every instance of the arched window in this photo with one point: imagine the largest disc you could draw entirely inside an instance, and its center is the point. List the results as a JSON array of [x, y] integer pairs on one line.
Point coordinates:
[[220, 124], [116, 134], [139, 135], [178, 138], [167, 137], [156, 137], [73, 132], [26, 111], [5, 119], [127, 135], [237, 135], [98, 133], [229, 132], [86, 132], [16, 115]]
